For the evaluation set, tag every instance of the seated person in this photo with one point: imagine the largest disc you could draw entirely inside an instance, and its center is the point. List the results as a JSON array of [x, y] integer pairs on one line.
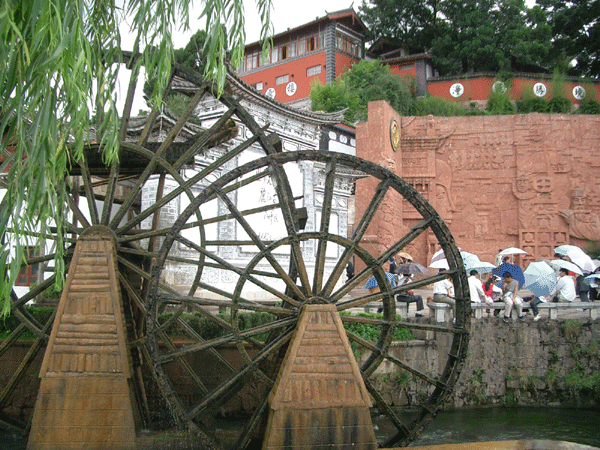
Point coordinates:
[[443, 292], [409, 296], [476, 289], [533, 302], [564, 291], [492, 291], [510, 286]]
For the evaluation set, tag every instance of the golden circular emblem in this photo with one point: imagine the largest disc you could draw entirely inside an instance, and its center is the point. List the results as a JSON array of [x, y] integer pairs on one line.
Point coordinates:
[[394, 134]]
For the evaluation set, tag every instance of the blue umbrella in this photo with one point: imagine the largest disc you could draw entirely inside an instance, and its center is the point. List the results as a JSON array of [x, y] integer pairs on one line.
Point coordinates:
[[514, 270], [540, 278], [372, 282]]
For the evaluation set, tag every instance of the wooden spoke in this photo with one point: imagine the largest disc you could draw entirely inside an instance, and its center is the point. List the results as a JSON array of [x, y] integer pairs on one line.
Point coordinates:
[[25, 363], [153, 163], [254, 422], [77, 213], [261, 356], [261, 246], [227, 265], [324, 228], [217, 342], [89, 194], [385, 408], [242, 303]]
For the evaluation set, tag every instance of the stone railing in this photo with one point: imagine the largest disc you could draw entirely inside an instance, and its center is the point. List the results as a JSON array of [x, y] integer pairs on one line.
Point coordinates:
[[442, 312]]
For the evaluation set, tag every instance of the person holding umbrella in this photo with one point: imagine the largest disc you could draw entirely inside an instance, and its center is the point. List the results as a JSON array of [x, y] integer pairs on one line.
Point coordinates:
[[540, 279], [510, 286]]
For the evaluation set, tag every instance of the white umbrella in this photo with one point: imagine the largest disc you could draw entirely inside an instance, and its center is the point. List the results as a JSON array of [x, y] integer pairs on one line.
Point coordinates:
[[540, 278], [567, 265], [513, 251], [438, 255], [578, 256], [469, 259], [593, 278], [481, 267], [439, 264]]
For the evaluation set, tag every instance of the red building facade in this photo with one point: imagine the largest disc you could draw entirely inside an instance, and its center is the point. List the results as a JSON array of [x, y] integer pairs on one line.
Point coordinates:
[[319, 50]]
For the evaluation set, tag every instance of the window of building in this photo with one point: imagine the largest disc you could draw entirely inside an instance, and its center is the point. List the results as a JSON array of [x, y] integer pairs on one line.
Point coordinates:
[[252, 61], [348, 44], [282, 79], [28, 275], [284, 52], [313, 71], [258, 86], [310, 43]]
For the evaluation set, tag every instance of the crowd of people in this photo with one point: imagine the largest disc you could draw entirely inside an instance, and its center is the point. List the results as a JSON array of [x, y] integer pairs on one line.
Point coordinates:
[[495, 287], [568, 287]]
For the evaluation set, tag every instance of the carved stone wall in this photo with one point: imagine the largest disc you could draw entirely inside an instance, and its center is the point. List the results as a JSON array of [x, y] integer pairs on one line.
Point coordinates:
[[527, 181]]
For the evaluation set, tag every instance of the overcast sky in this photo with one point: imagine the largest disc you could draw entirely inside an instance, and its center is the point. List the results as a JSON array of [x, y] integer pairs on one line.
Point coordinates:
[[285, 14]]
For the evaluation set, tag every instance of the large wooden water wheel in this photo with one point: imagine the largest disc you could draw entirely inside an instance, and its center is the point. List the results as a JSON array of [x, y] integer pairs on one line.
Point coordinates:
[[317, 259], [230, 361], [156, 174]]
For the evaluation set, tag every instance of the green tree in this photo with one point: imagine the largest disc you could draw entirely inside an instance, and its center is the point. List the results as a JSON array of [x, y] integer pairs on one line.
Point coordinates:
[[193, 53], [491, 35], [412, 23], [365, 82], [465, 36], [576, 35], [60, 62]]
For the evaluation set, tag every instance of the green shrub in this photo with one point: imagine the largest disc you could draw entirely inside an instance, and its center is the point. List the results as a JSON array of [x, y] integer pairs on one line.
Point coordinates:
[[208, 328], [499, 103], [591, 107], [532, 105], [371, 332], [40, 314], [559, 105], [585, 383], [436, 106]]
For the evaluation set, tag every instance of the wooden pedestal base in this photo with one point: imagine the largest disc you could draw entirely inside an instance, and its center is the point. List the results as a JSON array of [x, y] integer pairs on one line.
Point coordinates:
[[319, 399], [85, 398]]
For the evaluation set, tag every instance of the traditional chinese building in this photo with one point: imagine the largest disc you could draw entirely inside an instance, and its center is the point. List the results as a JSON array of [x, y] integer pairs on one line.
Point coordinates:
[[298, 130], [318, 50]]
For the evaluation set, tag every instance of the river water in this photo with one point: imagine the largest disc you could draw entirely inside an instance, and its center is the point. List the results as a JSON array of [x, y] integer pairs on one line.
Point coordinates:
[[504, 424], [472, 425]]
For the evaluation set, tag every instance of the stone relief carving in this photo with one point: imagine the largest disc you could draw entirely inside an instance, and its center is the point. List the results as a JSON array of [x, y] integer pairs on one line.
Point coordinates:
[[444, 202], [582, 223], [387, 162]]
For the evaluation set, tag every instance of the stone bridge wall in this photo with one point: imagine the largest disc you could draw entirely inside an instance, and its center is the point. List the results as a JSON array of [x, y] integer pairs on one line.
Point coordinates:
[[538, 364], [528, 181]]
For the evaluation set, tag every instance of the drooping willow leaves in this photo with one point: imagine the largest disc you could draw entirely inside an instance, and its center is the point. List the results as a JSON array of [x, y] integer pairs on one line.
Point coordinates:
[[61, 60]]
